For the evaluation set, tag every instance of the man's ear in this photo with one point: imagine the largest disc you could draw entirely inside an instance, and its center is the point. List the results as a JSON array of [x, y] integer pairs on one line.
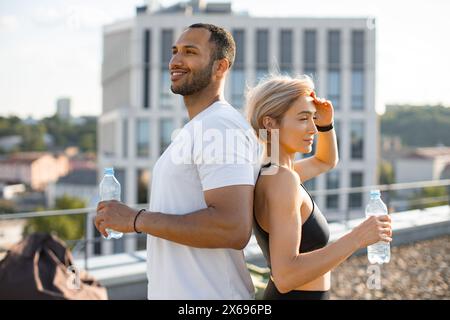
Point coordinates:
[[221, 67]]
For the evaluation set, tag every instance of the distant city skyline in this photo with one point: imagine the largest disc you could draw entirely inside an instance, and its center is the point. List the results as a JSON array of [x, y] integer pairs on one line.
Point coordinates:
[[50, 49]]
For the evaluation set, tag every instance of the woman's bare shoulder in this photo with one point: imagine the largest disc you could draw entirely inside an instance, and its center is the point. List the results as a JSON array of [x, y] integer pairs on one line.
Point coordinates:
[[278, 181]]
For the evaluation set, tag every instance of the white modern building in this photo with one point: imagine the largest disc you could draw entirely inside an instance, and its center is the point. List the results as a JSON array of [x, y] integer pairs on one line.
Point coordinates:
[[81, 183], [140, 112], [63, 108], [423, 164]]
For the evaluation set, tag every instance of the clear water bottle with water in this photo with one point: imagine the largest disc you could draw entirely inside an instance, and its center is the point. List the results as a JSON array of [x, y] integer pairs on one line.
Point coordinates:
[[110, 190], [379, 252]]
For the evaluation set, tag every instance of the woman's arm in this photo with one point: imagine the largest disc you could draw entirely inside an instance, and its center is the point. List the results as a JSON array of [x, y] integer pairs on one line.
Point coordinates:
[[326, 156], [290, 269]]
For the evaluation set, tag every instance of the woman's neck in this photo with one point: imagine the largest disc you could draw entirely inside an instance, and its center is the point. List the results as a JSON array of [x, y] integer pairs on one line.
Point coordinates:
[[284, 159]]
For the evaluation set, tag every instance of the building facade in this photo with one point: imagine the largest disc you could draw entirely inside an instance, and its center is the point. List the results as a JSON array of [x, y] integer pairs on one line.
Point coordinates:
[[35, 169], [422, 164], [81, 183], [63, 108], [140, 112]]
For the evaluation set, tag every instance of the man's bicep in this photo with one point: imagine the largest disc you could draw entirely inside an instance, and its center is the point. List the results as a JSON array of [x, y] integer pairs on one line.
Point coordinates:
[[230, 199]]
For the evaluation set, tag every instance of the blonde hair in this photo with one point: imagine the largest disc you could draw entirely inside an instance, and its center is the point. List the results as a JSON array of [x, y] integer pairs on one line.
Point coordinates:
[[273, 96]]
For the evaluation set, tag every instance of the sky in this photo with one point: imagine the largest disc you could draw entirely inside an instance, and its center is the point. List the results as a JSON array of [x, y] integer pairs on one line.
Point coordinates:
[[53, 48]]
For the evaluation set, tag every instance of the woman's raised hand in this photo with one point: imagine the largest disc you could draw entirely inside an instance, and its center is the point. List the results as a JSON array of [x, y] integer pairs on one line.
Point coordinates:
[[324, 111]]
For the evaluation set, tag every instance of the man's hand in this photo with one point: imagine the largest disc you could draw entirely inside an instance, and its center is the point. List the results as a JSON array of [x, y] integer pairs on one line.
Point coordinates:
[[114, 215]]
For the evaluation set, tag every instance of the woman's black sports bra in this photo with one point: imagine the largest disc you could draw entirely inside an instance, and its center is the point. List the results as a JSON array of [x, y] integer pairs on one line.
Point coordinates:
[[314, 234]]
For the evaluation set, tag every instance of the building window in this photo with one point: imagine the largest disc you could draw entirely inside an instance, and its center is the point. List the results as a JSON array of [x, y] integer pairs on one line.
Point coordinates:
[[237, 88], [357, 85], [166, 97], [107, 132], [239, 60], [143, 182], [332, 200], [357, 89], [355, 198], [286, 65], [337, 130], [334, 48], [166, 46], [334, 68], [118, 246], [237, 73], [141, 242], [358, 49], [125, 138], [147, 39], [310, 184], [98, 242], [310, 53], [142, 138], [334, 88], [120, 176], [166, 127], [357, 139], [262, 54]]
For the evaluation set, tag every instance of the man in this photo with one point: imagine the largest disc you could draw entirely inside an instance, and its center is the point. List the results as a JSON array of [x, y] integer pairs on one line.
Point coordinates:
[[200, 214]]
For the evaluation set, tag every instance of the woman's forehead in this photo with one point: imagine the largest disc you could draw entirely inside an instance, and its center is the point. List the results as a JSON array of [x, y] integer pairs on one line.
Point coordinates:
[[303, 103]]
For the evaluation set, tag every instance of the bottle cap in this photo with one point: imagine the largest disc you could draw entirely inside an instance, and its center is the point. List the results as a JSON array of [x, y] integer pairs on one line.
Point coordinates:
[[109, 171], [375, 192]]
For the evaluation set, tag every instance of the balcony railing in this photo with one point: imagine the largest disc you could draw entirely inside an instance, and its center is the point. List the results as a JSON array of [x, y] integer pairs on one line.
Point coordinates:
[[388, 194]]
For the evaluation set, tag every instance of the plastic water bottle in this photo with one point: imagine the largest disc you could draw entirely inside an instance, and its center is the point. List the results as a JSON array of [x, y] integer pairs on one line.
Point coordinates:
[[110, 190], [379, 252]]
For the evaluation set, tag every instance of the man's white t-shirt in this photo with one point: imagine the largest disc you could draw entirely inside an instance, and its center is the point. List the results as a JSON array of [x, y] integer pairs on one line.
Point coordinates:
[[217, 148]]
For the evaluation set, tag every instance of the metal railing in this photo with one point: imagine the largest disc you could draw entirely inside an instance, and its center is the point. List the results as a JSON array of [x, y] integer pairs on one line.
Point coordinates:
[[387, 189], [88, 216]]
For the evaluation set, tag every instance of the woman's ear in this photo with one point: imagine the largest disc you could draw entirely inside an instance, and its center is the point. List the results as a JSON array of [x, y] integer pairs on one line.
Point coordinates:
[[268, 123]]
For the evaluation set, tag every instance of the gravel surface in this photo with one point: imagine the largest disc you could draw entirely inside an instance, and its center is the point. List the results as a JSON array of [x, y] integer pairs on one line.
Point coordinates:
[[416, 271]]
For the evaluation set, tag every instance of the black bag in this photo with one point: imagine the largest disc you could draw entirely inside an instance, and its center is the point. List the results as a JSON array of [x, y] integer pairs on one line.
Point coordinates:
[[41, 267]]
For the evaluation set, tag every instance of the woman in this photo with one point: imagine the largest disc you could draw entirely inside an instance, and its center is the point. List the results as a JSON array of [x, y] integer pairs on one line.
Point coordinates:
[[289, 227]]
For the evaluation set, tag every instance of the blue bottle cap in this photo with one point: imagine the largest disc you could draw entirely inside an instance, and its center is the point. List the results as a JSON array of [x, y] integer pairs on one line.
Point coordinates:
[[374, 193], [109, 171]]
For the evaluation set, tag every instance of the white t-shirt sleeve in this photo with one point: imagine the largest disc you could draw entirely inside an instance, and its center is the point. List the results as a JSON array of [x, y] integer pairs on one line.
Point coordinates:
[[223, 153]]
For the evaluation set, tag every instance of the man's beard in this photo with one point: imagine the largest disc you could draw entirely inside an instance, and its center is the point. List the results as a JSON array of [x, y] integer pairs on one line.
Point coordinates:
[[200, 80]]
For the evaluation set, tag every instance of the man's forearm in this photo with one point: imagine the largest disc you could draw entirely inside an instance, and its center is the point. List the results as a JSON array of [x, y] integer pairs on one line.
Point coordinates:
[[205, 228]]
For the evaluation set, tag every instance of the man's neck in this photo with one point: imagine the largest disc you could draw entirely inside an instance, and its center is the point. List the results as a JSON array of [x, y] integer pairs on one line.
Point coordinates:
[[201, 100]]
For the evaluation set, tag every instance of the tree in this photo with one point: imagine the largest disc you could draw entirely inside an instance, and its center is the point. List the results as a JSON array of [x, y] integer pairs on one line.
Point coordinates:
[[7, 206], [410, 123], [33, 138], [386, 173], [64, 132], [87, 142], [440, 195], [66, 227], [10, 126]]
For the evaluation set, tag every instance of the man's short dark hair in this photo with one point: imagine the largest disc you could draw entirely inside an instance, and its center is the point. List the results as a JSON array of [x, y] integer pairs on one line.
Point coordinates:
[[224, 46]]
